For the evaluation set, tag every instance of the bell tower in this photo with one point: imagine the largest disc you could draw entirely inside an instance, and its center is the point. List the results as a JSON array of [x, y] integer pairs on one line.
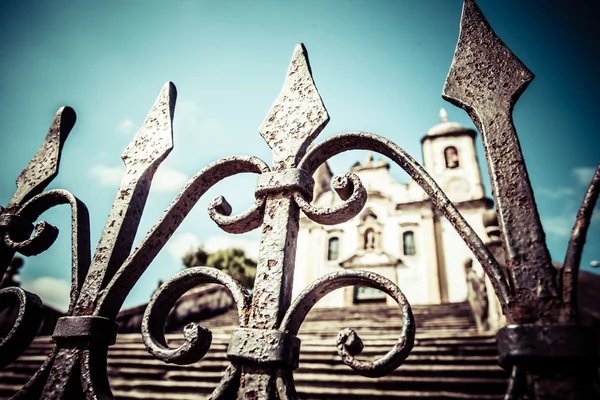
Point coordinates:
[[450, 157]]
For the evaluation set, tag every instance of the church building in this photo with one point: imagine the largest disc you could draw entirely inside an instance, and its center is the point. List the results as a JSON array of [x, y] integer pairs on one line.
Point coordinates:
[[400, 234]]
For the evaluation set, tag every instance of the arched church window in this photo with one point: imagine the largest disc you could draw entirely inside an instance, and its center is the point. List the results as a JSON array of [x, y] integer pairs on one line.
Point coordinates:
[[451, 156], [369, 239], [408, 240], [333, 248]]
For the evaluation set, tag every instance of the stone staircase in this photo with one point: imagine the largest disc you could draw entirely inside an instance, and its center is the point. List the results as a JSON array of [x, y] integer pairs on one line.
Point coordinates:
[[450, 359]]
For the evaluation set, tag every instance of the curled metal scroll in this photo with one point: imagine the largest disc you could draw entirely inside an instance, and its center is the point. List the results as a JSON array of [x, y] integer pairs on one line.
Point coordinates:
[[369, 141], [26, 325], [349, 344], [155, 239], [43, 239], [219, 211], [197, 339], [350, 189], [30, 306]]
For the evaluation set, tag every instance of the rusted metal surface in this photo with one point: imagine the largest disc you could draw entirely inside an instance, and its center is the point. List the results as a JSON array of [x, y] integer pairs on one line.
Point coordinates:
[[543, 348], [25, 326], [486, 79], [570, 268], [86, 328], [295, 119], [265, 347], [43, 167], [550, 356], [197, 339]]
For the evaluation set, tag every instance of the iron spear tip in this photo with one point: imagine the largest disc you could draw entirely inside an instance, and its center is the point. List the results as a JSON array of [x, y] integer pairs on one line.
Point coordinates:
[[297, 116], [154, 140], [68, 117], [483, 66], [43, 167], [169, 90], [300, 52]]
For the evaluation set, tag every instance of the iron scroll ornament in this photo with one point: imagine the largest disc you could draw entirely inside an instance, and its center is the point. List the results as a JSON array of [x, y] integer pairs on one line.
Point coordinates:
[[269, 320]]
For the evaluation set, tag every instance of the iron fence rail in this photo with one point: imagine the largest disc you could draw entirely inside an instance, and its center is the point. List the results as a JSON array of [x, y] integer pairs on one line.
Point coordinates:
[[549, 354]]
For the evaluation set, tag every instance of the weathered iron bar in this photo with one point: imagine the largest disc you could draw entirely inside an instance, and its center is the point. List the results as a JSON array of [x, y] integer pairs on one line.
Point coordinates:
[[570, 269], [542, 345]]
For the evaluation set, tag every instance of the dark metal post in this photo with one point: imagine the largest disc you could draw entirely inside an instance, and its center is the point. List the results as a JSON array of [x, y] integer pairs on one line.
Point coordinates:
[[543, 339], [296, 118]]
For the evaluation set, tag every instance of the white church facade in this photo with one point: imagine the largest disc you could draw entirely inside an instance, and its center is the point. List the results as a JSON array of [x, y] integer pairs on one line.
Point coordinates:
[[400, 234]]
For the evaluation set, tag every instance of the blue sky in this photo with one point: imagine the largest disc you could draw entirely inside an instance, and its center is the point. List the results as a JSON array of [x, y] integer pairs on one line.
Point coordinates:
[[379, 65]]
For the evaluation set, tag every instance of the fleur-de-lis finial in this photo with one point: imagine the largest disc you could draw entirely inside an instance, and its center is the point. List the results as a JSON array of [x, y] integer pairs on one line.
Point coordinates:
[[297, 116]]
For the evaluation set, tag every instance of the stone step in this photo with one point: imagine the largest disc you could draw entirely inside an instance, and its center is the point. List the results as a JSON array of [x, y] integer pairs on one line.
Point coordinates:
[[450, 359], [324, 393], [203, 382], [435, 367], [44, 344]]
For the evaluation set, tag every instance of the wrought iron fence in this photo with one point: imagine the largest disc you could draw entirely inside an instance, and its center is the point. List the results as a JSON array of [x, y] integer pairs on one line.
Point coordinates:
[[549, 354]]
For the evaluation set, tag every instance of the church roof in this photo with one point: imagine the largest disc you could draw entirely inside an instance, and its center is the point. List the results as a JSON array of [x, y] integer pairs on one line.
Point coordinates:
[[372, 258], [446, 127]]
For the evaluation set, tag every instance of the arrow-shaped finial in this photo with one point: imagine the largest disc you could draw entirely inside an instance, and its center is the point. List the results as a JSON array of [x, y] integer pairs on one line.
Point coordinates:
[[484, 72], [486, 79], [43, 167], [297, 116]]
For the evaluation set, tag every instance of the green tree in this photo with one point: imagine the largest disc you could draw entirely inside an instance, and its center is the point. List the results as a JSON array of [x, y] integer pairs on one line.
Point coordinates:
[[194, 258], [232, 261]]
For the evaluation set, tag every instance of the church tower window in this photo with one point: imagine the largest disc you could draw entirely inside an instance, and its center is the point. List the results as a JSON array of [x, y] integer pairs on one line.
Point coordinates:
[[451, 156], [333, 248], [369, 239], [408, 240]]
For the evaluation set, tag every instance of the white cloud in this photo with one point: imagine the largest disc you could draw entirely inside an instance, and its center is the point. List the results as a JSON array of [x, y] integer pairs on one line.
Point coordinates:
[[584, 175], [215, 243], [53, 291], [556, 193], [126, 127], [108, 175], [181, 243], [166, 179]]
